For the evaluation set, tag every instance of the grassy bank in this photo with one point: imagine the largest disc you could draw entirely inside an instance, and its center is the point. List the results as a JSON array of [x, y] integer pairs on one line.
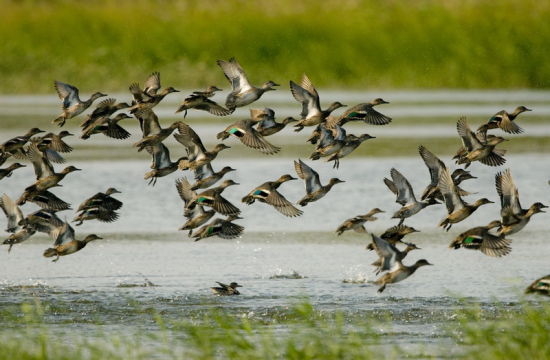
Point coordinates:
[[301, 332], [366, 44]]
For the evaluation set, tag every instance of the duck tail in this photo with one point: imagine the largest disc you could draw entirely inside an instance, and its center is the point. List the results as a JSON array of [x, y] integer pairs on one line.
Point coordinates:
[[222, 135], [315, 156], [444, 223], [50, 252], [60, 120], [248, 199]]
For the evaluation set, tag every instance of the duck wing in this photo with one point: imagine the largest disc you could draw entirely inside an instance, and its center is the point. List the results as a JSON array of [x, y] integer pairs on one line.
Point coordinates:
[[326, 137], [496, 246], [203, 171], [281, 204], [152, 84], [48, 200], [385, 251], [405, 194], [310, 176], [494, 158], [230, 230], [235, 74], [252, 138], [67, 93], [184, 190], [505, 123], [62, 234], [161, 156], [434, 164], [469, 138], [58, 145], [309, 100], [189, 138], [12, 211], [116, 131], [224, 207], [509, 196], [103, 108], [42, 167], [212, 107], [366, 113], [449, 191], [148, 122]]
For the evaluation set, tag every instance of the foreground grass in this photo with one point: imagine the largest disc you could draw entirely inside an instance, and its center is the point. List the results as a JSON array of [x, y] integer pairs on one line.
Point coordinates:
[[303, 333], [106, 45], [515, 336], [300, 333]]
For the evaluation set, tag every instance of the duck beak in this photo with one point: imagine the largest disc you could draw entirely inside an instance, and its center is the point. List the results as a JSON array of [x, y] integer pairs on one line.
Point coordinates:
[[526, 109]]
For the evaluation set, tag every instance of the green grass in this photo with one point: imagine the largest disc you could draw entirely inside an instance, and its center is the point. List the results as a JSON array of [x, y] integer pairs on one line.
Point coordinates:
[[524, 335], [300, 332], [106, 45]]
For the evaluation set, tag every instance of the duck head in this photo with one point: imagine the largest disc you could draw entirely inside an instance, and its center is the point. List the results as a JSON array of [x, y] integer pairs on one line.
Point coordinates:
[[285, 178], [376, 211], [227, 169], [537, 207], [269, 85], [411, 246], [335, 105], [111, 191], [407, 230], [234, 285], [92, 237], [221, 147], [378, 101], [64, 133], [70, 169], [34, 131], [335, 181], [365, 137], [483, 201], [17, 166], [227, 183], [521, 109], [213, 88], [462, 175], [422, 262], [169, 90]]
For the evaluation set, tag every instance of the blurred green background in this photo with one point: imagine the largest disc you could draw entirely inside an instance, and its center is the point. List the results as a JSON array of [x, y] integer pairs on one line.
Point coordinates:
[[106, 45]]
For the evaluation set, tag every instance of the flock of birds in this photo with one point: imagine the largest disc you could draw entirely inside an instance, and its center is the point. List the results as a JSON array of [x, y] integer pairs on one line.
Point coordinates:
[[202, 200]]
